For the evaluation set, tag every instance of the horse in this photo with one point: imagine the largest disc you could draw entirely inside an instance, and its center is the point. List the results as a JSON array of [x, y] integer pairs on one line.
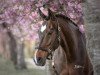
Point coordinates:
[[62, 32]]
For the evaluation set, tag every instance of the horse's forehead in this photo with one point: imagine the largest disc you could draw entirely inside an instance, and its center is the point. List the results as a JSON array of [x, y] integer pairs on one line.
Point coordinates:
[[43, 27]]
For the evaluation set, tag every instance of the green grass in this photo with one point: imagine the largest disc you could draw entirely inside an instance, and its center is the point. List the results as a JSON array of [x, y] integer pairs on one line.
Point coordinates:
[[7, 68]]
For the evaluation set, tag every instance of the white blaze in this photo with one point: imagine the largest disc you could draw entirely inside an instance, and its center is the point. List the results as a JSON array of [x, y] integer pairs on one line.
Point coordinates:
[[43, 28], [35, 56]]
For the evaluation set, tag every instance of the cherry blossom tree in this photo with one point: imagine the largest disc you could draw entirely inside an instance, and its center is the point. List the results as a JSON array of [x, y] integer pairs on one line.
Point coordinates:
[[22, 15]]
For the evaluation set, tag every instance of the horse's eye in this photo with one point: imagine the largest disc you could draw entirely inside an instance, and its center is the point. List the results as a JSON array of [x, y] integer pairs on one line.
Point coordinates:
[[51, 31]]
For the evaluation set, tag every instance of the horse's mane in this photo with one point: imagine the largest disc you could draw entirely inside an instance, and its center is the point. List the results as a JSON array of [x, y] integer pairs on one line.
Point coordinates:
[[66, 18], [70, 38]]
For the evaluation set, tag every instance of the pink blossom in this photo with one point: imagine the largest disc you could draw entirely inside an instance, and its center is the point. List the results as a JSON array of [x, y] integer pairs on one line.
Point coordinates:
[[34, 15], [81, 28], [23, 13], [45, 12]]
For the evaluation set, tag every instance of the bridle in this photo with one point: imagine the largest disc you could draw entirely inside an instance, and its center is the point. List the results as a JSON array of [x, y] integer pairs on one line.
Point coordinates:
[[50, 50]]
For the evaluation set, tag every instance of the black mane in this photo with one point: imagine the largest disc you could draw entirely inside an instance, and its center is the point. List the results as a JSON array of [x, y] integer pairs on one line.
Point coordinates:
[[66, 18]]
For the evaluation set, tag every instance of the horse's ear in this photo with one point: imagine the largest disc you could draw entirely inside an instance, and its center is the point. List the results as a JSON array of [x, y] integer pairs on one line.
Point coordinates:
[[42, 15], [51, 14]]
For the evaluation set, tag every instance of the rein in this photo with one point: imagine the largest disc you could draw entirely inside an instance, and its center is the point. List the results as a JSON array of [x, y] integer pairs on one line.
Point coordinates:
[[59, 40]]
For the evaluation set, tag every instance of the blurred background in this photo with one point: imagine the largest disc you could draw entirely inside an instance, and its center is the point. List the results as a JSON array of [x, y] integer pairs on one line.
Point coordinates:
[[20, 24]]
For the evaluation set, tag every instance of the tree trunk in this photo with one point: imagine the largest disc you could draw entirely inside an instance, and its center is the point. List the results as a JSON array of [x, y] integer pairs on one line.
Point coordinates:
[[20, 55], [12, 47]]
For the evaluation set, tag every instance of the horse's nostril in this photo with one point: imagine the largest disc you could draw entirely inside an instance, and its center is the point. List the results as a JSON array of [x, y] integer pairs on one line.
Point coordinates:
[[39, 58]]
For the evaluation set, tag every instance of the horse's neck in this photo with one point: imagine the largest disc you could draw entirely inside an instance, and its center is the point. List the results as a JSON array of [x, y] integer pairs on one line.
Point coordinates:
[[59, 59], [69, 41], [60, 54], [67, 46]]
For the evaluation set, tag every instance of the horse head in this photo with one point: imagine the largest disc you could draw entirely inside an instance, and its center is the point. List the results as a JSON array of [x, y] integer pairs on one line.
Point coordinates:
[[49, 41]]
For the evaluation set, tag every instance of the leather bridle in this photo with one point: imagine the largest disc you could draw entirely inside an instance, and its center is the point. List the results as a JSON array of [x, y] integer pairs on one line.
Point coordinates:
[[50, 49]]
